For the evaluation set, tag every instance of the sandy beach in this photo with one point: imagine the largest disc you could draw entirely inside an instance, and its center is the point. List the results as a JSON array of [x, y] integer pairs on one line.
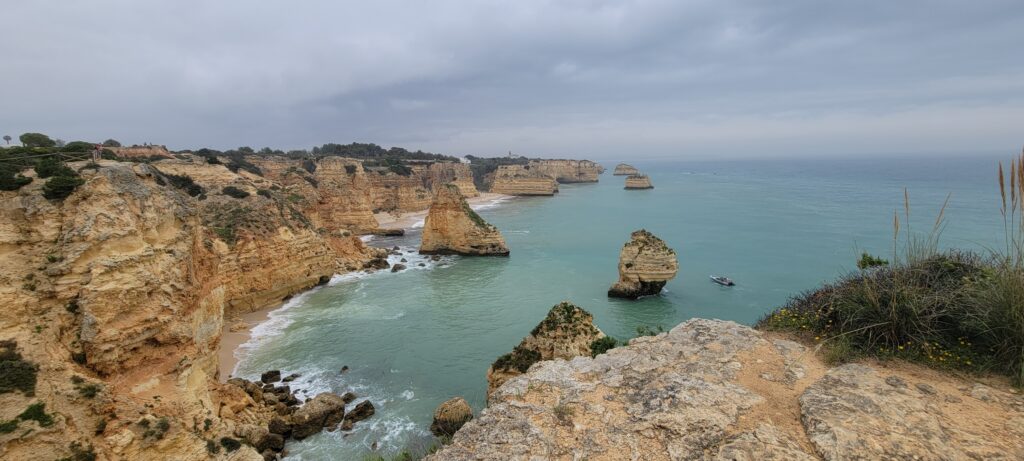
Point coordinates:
[[243, 324]]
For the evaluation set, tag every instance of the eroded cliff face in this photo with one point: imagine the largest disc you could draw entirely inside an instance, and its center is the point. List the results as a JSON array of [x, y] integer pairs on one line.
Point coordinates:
[[394, 192], [522, 180], [147, 152], [639, 181], [117, 298], [625, 169], [452, 227], [568, 171], [646, 263], [717, 390], [566, 332]]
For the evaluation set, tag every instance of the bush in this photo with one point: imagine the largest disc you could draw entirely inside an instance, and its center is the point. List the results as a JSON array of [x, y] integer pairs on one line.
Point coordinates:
[[16, 373], [234, 192], [60, 187], [78, 146], [11, 178], [602, 345], [37, 412], [519, 359], [230, 444], [51, 166], [867, 261], [111, 143], [186, 183]]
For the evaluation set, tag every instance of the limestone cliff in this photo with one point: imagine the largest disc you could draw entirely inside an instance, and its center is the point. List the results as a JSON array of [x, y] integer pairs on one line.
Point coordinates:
[[116, 299], [452, 227], [568, 171], [391, 191], [717, 390], [645, 265], [624, 169], [639, 181], [566, 332], [140, 152], [522, 180]]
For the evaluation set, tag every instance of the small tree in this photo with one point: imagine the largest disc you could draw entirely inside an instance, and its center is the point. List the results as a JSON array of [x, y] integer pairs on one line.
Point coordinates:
[[36, 140], [60, 187], [111, 143], [11, 177], [8, 138]]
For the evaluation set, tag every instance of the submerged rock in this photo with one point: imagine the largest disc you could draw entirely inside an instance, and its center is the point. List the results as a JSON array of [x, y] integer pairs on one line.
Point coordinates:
[[639, 181], [645, 265], [452, 227], [566, 332], [450, 416]]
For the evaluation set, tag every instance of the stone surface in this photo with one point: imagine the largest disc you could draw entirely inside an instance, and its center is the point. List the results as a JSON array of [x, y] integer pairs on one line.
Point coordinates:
[[324, 410], [638, 181], [522, 180], [450, 415], [646, 263], [566, 332], [452, 227], [625, 169]]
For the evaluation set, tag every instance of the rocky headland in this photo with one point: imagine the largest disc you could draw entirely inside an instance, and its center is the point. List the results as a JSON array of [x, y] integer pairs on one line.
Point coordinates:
[[568, 171], [522, 180], [710, 389], [566, 332], [624, 169], [646, 264], [452, 227], [638, 181]]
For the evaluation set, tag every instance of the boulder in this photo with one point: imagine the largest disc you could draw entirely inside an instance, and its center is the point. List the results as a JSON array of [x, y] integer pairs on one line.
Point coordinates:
[[325, 409], [398, 267], [452, 227], [361, 411], [280, 426], [646, 263], [450, 416], [271, 376]]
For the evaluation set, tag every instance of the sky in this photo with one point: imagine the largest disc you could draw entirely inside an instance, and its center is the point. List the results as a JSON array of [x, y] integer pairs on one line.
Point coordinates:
[[606, 80]]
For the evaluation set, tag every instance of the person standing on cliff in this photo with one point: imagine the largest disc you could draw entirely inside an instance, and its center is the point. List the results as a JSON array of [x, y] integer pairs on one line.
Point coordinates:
[[96, 151]]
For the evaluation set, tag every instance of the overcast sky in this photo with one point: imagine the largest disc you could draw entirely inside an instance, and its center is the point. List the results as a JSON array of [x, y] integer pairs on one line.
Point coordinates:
[[585, 79]]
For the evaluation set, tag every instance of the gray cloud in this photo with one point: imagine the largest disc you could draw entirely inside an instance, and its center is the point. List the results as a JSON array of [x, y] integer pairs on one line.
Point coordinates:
[[598, 79]]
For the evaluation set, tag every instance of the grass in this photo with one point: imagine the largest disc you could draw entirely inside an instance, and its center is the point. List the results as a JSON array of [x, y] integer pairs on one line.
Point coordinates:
[[945, 308]]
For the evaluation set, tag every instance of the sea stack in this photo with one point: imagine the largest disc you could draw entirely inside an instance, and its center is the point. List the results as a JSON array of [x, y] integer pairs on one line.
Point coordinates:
[[638, 181], [624, 169], [645, 265], [452, 227], [566, 332]]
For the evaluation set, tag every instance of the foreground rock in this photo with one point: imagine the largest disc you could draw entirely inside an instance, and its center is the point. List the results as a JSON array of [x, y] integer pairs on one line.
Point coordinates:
[[452, 227], [568, 331], [645, 265], [450, 416], [624, 169], [717, 390], [639, 181]]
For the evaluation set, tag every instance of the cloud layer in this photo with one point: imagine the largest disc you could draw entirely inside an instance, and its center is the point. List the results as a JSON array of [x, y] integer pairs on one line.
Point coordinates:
[[597, 79]]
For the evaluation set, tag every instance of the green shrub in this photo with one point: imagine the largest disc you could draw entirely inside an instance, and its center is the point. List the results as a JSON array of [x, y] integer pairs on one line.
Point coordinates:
[[60, 187], [78, 146], [8, 426], [867, 261], [519, 359], [602, 345], [235, 192], [37, 412], [212, 447], [230, 444], [185, 183], [16, 373], [111, 143], [51, 166], [36, 140], [11, 177]]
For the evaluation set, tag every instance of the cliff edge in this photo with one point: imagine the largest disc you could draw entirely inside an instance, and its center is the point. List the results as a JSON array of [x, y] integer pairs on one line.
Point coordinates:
[[711, 389]]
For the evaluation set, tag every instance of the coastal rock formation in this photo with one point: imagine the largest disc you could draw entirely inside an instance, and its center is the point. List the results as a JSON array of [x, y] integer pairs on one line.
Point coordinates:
[[645, 265], [566, 332], [522, 180], [450, 415], [624, 169], [412, 189], [568, 171], [711, 389], [452, 227], [117, 298], [141, 152], [639, 181]]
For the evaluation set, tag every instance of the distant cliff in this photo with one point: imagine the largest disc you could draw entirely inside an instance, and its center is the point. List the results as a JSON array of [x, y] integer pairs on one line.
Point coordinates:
[[568, 171], [522, 180]]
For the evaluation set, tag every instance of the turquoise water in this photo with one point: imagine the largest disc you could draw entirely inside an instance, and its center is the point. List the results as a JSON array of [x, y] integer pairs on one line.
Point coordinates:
[[416, 338]]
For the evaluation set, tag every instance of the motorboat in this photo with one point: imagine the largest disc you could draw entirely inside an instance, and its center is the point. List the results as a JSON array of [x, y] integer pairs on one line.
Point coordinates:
[[722, 280]]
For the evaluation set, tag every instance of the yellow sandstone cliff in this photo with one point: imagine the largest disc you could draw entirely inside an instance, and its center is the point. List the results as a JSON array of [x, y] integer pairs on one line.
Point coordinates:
[[452, 227], [645, 265], [396, 192], [625, 169], [568, 171], [522, 180], [638, 181]]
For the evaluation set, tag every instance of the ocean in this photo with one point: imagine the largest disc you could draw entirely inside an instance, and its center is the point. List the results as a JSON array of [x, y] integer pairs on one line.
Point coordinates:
[[777, 227]]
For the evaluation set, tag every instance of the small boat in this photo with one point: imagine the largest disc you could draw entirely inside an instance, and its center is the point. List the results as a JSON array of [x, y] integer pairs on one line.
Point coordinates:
[[721, 280]]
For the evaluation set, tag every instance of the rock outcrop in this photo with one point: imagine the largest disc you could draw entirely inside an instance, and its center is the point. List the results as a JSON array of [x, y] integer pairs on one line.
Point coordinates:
[[639, 181], [522, 180], [449, 416], [717, 390], [566, 332], [568, 171], [624, 169], [646, 263], [452, 227], [117, 298], [141, 152]]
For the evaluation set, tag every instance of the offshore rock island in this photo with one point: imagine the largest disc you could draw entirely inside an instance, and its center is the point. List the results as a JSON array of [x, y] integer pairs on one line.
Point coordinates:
[[646, 264], [452, 227]]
